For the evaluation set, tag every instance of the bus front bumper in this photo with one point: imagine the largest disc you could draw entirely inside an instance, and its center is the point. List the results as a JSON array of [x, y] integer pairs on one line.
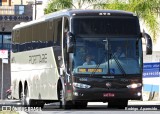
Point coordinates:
[[102, 95]]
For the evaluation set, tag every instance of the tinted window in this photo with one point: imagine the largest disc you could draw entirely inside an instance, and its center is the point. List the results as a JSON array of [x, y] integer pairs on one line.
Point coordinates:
[[106, 26]]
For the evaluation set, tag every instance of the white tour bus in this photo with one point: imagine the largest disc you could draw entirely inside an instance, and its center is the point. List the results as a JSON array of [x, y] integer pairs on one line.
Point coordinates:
[[48, 55]]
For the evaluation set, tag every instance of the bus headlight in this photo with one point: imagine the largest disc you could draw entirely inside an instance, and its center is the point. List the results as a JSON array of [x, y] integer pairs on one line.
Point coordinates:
[[80, 85], [135, 85]]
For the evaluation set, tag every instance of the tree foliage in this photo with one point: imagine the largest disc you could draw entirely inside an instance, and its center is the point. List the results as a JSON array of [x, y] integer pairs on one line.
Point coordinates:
[[55, 5], [145, 9]]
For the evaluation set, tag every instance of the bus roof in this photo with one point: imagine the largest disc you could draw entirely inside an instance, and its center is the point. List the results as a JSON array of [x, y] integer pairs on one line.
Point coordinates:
[[76, 12]]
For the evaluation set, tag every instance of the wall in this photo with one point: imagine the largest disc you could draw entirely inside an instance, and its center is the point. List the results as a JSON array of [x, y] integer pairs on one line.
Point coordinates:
[[8, 21], [151, 76]]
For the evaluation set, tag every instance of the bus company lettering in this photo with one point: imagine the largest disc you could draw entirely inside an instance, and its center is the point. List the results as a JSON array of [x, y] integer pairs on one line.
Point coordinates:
[[37, 59]]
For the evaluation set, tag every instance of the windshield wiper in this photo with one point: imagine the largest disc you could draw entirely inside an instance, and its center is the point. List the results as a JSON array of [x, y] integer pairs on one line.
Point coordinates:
[[118, 64]]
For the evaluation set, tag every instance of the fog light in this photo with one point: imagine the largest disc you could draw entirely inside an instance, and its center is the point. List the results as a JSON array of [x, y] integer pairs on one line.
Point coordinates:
[[75, 93], [139, 94], [81, 94]]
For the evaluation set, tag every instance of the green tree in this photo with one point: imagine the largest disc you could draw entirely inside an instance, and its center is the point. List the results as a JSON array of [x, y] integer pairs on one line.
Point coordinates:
[[55, 5], [146, 10]]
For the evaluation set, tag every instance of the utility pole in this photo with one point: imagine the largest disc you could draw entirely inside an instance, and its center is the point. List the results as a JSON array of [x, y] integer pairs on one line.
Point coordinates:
[[3, 28], [21, 2], [35, 5]]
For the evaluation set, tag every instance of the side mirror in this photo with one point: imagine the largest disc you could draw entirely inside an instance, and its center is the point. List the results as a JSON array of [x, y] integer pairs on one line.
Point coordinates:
[[148, 43], [70, 42]]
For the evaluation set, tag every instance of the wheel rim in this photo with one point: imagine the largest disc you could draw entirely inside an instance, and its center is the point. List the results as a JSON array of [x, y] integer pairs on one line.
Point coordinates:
[[22, 99], [27, 100]]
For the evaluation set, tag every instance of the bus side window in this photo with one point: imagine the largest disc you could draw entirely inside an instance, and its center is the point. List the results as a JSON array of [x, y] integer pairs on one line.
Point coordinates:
[[58, 26], [17, 39], [14, 41], [28, 40], [34, 41], [42, 34], [57, 39], [65, 30], [50, 33], [58, 32], [22, 40]]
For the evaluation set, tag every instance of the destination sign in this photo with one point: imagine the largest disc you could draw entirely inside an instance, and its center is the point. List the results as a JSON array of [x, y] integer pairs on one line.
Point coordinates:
[[90, 70]]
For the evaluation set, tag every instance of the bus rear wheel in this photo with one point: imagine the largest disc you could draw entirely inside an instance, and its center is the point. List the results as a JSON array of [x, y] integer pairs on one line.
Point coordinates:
[[25, 100]]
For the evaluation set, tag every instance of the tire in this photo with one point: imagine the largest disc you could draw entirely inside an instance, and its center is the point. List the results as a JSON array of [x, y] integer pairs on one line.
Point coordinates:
[[25, 100], [39, 104], [63, 103], [80, 104], [121, 104]]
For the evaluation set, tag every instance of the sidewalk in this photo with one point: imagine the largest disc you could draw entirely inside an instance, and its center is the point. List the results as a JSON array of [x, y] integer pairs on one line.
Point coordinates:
[[130, 102], [144, 102], [9, 102]]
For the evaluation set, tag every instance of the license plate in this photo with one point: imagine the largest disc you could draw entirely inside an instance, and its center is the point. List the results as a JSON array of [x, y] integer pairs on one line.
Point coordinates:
[[108, 94]]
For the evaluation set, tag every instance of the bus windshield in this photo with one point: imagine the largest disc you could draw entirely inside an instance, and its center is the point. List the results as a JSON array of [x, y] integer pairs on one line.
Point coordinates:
[[110, 26], [100, 55]]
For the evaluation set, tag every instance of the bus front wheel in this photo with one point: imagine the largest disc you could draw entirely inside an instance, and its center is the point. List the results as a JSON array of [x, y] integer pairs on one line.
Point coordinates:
[[63, 102], [121, 104], [80, 104]]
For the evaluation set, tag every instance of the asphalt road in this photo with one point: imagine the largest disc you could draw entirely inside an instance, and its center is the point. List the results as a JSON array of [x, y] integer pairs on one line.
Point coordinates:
[[142, 107]]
